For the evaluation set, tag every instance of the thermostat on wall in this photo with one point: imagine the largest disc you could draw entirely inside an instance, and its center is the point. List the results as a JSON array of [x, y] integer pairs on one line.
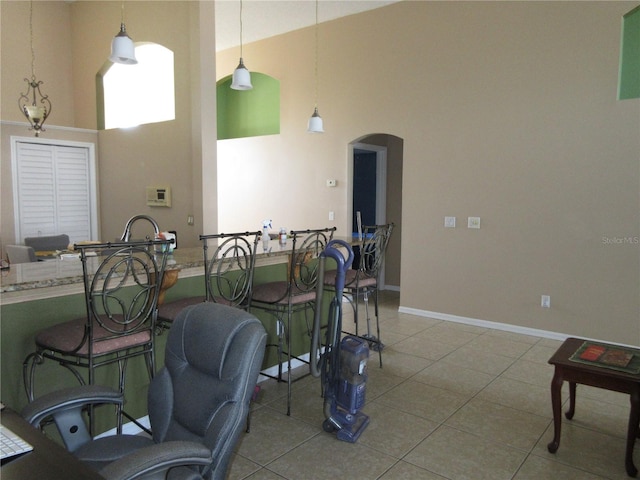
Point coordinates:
[[159, 196]]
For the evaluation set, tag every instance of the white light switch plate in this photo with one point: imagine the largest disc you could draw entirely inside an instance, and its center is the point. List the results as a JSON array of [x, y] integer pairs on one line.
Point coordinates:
[[449, 222]]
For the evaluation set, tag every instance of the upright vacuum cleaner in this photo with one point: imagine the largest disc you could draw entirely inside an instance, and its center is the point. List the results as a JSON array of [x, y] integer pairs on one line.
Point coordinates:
[[342, 365]]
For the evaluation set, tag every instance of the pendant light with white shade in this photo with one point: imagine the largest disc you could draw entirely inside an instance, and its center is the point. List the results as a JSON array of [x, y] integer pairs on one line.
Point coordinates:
[[122, 48], [315, 122], [241, 79]]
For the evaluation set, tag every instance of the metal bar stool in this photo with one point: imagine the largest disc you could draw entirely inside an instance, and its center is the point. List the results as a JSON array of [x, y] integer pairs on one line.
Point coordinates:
[[363, 280], [297, 293], [121, 286], [228, 274]]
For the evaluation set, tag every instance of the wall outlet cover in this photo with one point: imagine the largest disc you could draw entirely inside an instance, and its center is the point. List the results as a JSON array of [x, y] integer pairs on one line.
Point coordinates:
[[473, 222]]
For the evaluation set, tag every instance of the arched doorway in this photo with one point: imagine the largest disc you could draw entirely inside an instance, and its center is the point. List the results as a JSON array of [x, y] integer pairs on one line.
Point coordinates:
[[375, 189]]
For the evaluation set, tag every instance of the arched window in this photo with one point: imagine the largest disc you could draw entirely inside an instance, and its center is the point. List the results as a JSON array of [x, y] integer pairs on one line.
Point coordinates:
[[130, 95]]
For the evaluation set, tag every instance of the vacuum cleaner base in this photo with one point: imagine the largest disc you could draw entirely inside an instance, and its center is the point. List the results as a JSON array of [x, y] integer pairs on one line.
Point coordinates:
[[350, 426]]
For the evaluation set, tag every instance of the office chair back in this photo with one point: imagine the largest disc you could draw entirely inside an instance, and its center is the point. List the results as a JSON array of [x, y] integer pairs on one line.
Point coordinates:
[[197, 403], [213, 357]]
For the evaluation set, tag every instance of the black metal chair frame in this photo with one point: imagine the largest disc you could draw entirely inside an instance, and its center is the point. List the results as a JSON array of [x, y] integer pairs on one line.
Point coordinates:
[[121, 283], [228, 273], [366, 281], [298, 294]]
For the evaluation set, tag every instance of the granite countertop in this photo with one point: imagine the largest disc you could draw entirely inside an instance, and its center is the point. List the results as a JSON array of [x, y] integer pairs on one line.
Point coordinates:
[[68, 271]]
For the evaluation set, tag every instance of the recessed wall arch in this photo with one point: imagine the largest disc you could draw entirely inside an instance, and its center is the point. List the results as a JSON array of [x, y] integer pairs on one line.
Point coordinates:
[[248, 113], [131, 95]]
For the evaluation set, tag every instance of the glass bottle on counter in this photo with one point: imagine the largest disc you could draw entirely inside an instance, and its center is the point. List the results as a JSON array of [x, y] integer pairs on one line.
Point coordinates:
[[283, 236]]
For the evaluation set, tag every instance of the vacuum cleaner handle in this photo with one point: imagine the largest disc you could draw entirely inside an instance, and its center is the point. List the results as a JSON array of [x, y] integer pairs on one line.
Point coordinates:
[[343, 265]]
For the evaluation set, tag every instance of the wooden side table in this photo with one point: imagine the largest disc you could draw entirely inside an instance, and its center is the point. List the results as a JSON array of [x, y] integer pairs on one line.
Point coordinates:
[[595, 376]]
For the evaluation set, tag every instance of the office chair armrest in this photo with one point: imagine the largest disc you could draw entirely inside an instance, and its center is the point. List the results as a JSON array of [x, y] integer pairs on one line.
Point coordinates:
[[68, 399], [158, 458]]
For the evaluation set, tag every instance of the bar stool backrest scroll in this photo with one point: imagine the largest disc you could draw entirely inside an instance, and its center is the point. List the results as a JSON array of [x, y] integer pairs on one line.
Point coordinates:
[[229, 263], [306, 249], [229, 268], [374, 245]]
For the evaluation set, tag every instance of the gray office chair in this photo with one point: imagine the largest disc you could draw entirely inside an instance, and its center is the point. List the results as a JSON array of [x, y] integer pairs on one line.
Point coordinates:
[[197, 403], [20, 254]]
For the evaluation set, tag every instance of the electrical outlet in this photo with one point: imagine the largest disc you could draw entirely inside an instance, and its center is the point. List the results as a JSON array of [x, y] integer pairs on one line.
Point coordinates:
[[331, 183], [545, 301], [449, 222]]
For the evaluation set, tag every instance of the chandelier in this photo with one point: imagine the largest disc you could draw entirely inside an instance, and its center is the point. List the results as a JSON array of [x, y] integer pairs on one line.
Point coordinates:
[[35, 106]]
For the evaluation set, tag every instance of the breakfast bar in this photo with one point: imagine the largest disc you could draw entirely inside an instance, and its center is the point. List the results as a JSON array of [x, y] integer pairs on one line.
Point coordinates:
[[36, 295]]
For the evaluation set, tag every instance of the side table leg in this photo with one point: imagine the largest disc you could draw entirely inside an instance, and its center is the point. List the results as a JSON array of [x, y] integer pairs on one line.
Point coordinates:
[[634, 418], [556, 388], [572, 401]]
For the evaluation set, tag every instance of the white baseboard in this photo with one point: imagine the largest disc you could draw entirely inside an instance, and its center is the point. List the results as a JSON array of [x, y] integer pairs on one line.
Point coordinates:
[[484, 323]]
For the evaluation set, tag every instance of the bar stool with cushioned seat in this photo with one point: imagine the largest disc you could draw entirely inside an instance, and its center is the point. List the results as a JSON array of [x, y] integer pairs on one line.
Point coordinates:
[[121, 285], [363, 281], [228, 274], [297, 293]]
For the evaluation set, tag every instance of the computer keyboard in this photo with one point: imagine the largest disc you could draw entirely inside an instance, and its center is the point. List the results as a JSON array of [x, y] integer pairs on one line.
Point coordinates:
[[11, 444]]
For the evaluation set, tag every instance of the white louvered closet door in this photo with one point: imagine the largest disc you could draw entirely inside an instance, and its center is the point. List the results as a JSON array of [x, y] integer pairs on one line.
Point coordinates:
[[54, 191]]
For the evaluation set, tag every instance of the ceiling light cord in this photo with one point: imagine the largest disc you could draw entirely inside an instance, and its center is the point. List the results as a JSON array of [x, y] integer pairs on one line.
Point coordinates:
[[241, 78], [316, 59], [33, 52], [315, 124], [240, 28]]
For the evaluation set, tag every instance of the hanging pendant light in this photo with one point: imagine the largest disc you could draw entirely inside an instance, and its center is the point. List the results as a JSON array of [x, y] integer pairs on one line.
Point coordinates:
[[122, 48], [36, 111], [241, 79], [315, 122]]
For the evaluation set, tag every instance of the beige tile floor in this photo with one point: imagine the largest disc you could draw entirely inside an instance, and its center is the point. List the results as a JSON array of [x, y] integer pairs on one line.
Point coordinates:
[[453, 402]]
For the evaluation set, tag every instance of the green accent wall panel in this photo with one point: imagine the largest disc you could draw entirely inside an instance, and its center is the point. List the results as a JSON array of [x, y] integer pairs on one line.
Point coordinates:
[[629, 86], [248, 113]]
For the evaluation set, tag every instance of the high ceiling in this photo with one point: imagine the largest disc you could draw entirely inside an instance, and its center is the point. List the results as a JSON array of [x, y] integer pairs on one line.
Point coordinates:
[[267, 18]]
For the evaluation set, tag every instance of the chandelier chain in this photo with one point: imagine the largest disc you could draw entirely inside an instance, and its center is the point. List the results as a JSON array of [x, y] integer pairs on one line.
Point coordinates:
[[33, 52]]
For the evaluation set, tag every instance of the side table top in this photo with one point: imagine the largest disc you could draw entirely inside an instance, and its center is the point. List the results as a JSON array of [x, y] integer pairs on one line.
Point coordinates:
[[562, 358]]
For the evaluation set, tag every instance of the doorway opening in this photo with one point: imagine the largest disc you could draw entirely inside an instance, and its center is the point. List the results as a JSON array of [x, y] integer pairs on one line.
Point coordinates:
[[375, 191], [369, 186]]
